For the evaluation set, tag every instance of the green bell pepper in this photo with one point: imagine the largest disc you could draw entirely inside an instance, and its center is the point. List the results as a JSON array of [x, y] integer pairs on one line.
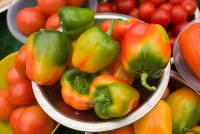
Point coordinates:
[[47, 53], [112, 98], [76, 87], [185, 109], [75, 20], [96, 49]]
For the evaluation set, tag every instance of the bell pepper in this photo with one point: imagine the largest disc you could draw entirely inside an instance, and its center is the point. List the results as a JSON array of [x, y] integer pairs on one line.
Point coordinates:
[[117, 70], [75, 87], [111, 97], [47, 53], [156, 121], [146, 51], [96, 49], [120, 28], [75, 20], [193, 130], [189, 42], [185, 108]]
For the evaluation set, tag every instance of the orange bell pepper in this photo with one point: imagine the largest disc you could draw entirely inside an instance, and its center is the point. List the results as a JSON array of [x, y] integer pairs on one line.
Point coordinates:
[[157, 121], [194, 130], [189, 42]]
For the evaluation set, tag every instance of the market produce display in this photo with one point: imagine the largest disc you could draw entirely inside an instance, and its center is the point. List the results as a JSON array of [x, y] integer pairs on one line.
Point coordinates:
[[96, 66], [173, 15]]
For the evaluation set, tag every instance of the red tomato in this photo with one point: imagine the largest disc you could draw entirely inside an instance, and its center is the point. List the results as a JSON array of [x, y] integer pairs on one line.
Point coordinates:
[[177, 29], [53, 22], [13, 76], [20, 61], [190, 6], [114, 6], [134, 12], [161, 16], [104, 7], [174, 1], [49, 7], [178, 14], [6, 108], [21, 93], [76, 3], [166, 6], [125, 6], [155, 2], [29, 20], [14, 117], [146, 9], [33, 120]]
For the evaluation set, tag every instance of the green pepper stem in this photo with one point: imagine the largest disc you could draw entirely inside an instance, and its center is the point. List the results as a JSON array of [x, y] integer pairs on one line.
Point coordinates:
[[98, 99], [189, 130], [144, 77], [110, 29]]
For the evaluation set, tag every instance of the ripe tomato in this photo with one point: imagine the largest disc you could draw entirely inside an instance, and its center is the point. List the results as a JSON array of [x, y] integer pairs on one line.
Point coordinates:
[[21, 93], [161, 16], [155, 2], [146, 9], [172, 41], [6, 108], [29, 20], [134, 12], [114, 6], [125, 6], [104, 7], [76, 3], [166, 6], [33, 120], [124, 130], [190, 6], [53, 22], [174, 1], [13, 76], [20, 61], [178, 14], [177, 29], [14, 117], [49, 7]]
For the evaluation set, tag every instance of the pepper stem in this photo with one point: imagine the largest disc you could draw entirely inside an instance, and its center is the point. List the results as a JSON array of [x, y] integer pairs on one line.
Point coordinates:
[[144, 77], [189, 130], [110, 29], [98, 99]]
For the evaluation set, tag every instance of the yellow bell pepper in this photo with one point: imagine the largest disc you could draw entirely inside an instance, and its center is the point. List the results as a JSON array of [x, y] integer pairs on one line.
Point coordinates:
[[157, 121]]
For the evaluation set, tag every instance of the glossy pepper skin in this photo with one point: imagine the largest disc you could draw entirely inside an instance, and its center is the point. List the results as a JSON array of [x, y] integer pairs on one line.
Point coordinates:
[[96, 49], [156, 121], [145, 51], [185, 109], [75, 20], [111, 97], [76, 87], [193, 130], [120, 28], [47, 53]]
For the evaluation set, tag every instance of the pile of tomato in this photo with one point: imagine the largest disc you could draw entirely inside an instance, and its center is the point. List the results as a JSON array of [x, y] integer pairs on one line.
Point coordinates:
[[18, 103], [43, 15], [173, 15]]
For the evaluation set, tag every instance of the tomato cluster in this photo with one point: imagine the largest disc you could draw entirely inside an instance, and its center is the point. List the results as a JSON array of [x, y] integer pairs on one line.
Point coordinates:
[[43, 15], [18, 103], [173, 15]]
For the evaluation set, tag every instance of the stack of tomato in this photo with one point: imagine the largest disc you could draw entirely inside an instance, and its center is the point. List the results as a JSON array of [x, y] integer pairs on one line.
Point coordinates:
[[173, 15], [43, 15], [18, 103]]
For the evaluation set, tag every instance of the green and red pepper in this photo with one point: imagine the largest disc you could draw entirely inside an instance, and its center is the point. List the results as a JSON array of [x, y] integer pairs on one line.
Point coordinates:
[[145, 51]]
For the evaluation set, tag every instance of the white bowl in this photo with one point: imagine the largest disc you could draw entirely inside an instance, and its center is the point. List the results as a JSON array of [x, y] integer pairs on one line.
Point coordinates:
[[51, 101]]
